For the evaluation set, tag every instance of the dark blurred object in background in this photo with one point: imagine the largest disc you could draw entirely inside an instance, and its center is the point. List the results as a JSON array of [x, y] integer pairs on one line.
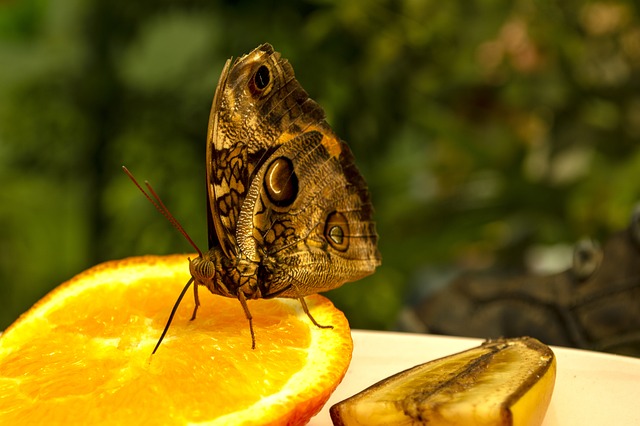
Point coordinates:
[[594, 305]]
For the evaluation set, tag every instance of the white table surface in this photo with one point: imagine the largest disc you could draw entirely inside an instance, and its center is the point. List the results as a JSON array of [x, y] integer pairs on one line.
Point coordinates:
[[591, 388]]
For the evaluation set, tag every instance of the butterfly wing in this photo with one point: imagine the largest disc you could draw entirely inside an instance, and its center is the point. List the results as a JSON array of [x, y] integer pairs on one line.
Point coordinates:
[[283, 189], [258, 106], [214, 224], [311, 218]]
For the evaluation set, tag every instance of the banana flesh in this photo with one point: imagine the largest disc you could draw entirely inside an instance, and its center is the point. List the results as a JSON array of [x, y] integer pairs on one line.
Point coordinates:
[[501, 382]]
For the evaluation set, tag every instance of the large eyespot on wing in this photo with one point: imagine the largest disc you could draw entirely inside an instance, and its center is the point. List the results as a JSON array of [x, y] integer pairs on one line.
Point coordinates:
[[336, 231], [260, 82], [281, 182]]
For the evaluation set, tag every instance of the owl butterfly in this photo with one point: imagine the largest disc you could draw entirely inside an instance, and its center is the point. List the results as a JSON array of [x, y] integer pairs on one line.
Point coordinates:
[[287, 210]]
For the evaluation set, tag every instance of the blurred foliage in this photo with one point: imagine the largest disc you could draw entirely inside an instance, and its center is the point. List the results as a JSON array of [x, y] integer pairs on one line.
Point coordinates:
[[484, 127]]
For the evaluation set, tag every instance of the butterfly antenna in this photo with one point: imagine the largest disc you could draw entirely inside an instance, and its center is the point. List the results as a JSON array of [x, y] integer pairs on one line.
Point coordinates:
[[159, 205]]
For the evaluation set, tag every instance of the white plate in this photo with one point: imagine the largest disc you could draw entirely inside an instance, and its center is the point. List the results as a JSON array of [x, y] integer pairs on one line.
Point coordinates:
[[591, 388]]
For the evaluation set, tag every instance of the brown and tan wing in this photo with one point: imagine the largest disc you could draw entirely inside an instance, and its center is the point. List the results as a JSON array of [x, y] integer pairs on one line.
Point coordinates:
[[258, 106], [311, 216]]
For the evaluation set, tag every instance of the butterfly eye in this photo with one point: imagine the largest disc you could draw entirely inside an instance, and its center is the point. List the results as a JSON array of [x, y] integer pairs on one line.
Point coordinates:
[[336, 231], [260, 81], [281, 182]]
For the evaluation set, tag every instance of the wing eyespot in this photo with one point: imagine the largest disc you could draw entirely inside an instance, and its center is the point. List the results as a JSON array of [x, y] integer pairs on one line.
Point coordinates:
[[260, 82], [336, 231], [281, 182]]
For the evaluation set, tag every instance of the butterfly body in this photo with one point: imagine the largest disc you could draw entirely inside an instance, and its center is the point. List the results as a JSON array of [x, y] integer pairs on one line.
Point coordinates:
[[288, 212]]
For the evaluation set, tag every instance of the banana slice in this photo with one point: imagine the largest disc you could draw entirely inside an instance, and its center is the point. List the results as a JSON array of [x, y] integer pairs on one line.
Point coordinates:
[[501, 382]]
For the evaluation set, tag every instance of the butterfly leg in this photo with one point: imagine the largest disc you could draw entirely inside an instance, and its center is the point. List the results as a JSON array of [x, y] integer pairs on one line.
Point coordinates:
[[243, 301], [305, 308], [196, 299]]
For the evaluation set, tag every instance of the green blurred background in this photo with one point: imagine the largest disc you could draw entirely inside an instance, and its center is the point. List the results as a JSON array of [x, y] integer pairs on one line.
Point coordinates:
[[487, 130]]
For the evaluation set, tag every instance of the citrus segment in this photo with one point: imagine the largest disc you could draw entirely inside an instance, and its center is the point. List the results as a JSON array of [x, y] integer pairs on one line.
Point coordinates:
[[501, 382], [83, 353]]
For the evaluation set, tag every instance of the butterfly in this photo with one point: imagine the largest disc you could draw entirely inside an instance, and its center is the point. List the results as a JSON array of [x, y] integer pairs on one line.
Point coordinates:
[[288, 212]]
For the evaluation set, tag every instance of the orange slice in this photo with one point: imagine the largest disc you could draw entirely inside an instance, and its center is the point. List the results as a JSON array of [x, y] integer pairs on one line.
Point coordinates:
[[82, 355]]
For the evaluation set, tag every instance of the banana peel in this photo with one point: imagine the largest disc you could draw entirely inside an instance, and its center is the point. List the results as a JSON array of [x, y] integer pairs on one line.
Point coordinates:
[[501, 382]]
